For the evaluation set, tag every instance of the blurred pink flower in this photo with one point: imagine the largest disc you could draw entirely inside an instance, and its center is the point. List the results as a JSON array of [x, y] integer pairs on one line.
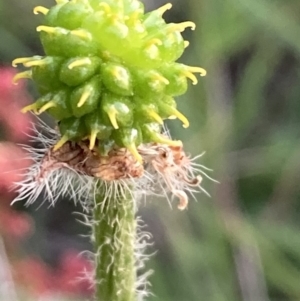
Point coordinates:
[[13, 162], [12, 99], [14, 225], [34, 276], [72, 274]]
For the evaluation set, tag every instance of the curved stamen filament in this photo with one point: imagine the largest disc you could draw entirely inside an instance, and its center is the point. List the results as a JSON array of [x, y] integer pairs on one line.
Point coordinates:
[[161, 10], [22, 60], [164, 140], [181, 26], [46, 106], [18, 76], [33, 107], [47, 29], [40, 9], [197, 70], [38, 62], [60, 143], [84, 97], [160, 78], [154, 41], [81, 33], [155, 116], [78, 63], [132, 148], [181, 117]]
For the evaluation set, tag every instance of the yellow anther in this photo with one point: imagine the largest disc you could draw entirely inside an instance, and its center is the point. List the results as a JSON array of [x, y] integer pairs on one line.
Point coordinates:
[[33, 107], [189, 73], [112, 115], [154, 41], [46, 106], [132, 148], [105, 7], [37, 62], [197, 70], [60, 143], [81, 33], [25, 74], [93, 137], [181, 117], [191, 76], [164, 140], [155, 116], [161, 10], [121, 75], [186, 44], [84, 97], [181, 26], [47, 29], [157, 76], [40, 9], [21, 60], [78, 63]]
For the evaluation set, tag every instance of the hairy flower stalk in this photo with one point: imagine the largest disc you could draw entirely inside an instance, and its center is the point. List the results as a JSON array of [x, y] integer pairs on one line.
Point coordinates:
[[114, 231], [109, 77]]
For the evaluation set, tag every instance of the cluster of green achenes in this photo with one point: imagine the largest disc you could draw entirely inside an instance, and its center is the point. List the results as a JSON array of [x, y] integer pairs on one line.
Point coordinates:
[[109, 74]]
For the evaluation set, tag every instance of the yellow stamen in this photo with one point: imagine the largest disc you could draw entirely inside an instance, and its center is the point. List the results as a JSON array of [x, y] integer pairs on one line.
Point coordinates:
[[161, 10], [160, 78], [181, 26], [46, 106], [191, 76], [186, 44], [132, 148], [181, 117], [197, 70], [37, 62], [189, 73], [81, 33], [154, 41], [61, 142], [21, 60], [112, 115], [25, 74], [47, 29], [155, 116], [167, 141], [105, 7], [78, 63], [84, 97], [33, 107], [93, 139], [40, 9]]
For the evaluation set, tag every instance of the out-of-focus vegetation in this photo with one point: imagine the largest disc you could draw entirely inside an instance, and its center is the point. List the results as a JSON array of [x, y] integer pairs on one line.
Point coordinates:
[[243, 243]]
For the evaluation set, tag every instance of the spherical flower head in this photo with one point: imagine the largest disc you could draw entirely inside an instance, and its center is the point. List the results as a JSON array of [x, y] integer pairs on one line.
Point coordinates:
[[109, 74]]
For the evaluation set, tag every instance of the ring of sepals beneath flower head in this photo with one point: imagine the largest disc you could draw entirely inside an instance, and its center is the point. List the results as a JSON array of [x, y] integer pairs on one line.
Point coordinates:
[[109, 74]]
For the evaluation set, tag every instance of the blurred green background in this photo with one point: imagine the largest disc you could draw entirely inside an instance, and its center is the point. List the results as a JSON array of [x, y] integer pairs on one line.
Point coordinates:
[[243, 243]]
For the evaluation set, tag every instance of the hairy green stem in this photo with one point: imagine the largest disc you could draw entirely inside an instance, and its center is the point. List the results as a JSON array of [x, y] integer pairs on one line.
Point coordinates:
[[114, 232]]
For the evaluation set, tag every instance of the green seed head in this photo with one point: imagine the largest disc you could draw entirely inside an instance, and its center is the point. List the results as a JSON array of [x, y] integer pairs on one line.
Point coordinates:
[[109, 73]]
